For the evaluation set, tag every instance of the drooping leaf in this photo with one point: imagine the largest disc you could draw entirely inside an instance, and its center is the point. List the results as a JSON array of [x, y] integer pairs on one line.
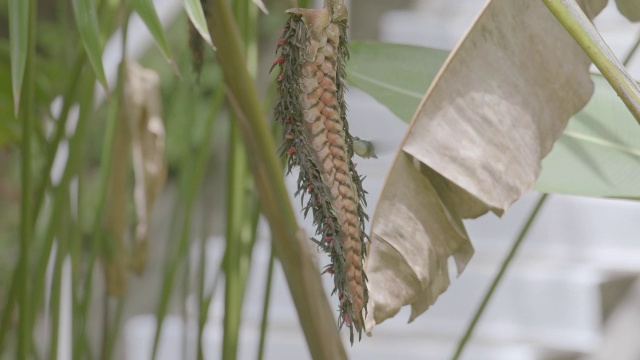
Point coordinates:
[[630, 9], [599, 152], [86, 17], [148, 14], [597, 155], [474, 145], [395, 75], [18, 37], [196, 15]]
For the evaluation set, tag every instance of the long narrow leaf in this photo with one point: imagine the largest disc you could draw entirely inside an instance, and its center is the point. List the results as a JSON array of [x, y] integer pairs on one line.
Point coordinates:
[[18, 37], [148, 14], [87, 21], [196, 15]]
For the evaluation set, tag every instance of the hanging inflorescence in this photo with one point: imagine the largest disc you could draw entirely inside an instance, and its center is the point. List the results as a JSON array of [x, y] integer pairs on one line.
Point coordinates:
[[312, 112]]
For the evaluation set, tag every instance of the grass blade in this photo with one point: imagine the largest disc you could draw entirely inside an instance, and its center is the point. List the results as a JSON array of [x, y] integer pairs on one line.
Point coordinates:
[[265, 306], [196, 15], [314, 311], [87, 20], [148, 14], [18, 38], [25, 116]]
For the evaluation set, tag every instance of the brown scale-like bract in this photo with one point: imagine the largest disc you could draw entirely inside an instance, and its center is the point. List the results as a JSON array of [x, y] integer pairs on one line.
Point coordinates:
[[312, 111]]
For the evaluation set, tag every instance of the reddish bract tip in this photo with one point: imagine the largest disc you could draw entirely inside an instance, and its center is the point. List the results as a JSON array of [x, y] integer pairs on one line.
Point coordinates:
[[291, 151], [289, 136], [347, 319], [278, 61], [280, 77], [310, 188], [329, 270], [329, 239], [287, 120], [280, 41]]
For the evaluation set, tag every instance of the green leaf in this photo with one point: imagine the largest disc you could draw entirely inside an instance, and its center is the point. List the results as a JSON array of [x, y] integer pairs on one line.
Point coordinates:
[[395, 75], [87, 21], [148, 14], [597, 155], [599, 152], [18, 36], [196, 15]]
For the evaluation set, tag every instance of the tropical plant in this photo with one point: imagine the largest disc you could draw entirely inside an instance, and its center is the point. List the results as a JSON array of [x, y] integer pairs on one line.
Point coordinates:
[[83, 167]]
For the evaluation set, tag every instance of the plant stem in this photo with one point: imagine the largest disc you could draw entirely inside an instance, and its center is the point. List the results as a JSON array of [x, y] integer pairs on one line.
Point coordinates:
[[570, 15], [503, 269], [292, 247], [265, 306], [25, 116], [632, 52]]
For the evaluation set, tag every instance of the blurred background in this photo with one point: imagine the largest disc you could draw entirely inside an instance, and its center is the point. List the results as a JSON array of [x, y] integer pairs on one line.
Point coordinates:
[[572, 292]]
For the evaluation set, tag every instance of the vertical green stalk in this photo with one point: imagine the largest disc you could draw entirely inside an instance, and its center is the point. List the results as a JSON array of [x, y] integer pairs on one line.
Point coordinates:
[[191, 178], [237, 176], [98, 235], [265, 306], [25, 116], [112, 331], [503, 269], [315, 313], [632, 52], [61, 252], [242, 206], [205, 148]]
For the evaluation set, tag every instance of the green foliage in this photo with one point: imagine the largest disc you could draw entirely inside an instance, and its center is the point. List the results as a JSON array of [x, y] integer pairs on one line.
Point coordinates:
[[597, 155], [86, 17]]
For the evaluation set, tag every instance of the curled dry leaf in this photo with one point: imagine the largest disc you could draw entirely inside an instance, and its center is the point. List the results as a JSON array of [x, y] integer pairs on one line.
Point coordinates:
[[142, 105], [502, 99], [139, 135]]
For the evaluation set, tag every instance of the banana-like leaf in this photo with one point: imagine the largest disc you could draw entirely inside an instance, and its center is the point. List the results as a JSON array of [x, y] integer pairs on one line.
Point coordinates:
[[597, 155], [630, 9], [599, 152], [196, 15], [148, 14], [475, 145], [395, 75], [18, 37], [86, 17]]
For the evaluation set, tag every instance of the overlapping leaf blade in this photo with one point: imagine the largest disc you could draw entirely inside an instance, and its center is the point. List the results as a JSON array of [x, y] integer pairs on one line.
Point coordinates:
[[196, 15], [148, 14], [395, 75], [597, 155], [18, 37], [86, 17], [474, 145]]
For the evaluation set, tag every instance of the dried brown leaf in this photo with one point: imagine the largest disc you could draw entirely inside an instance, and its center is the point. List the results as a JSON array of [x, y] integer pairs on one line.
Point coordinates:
[[143, 108], [630, 9], [502, 99]]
